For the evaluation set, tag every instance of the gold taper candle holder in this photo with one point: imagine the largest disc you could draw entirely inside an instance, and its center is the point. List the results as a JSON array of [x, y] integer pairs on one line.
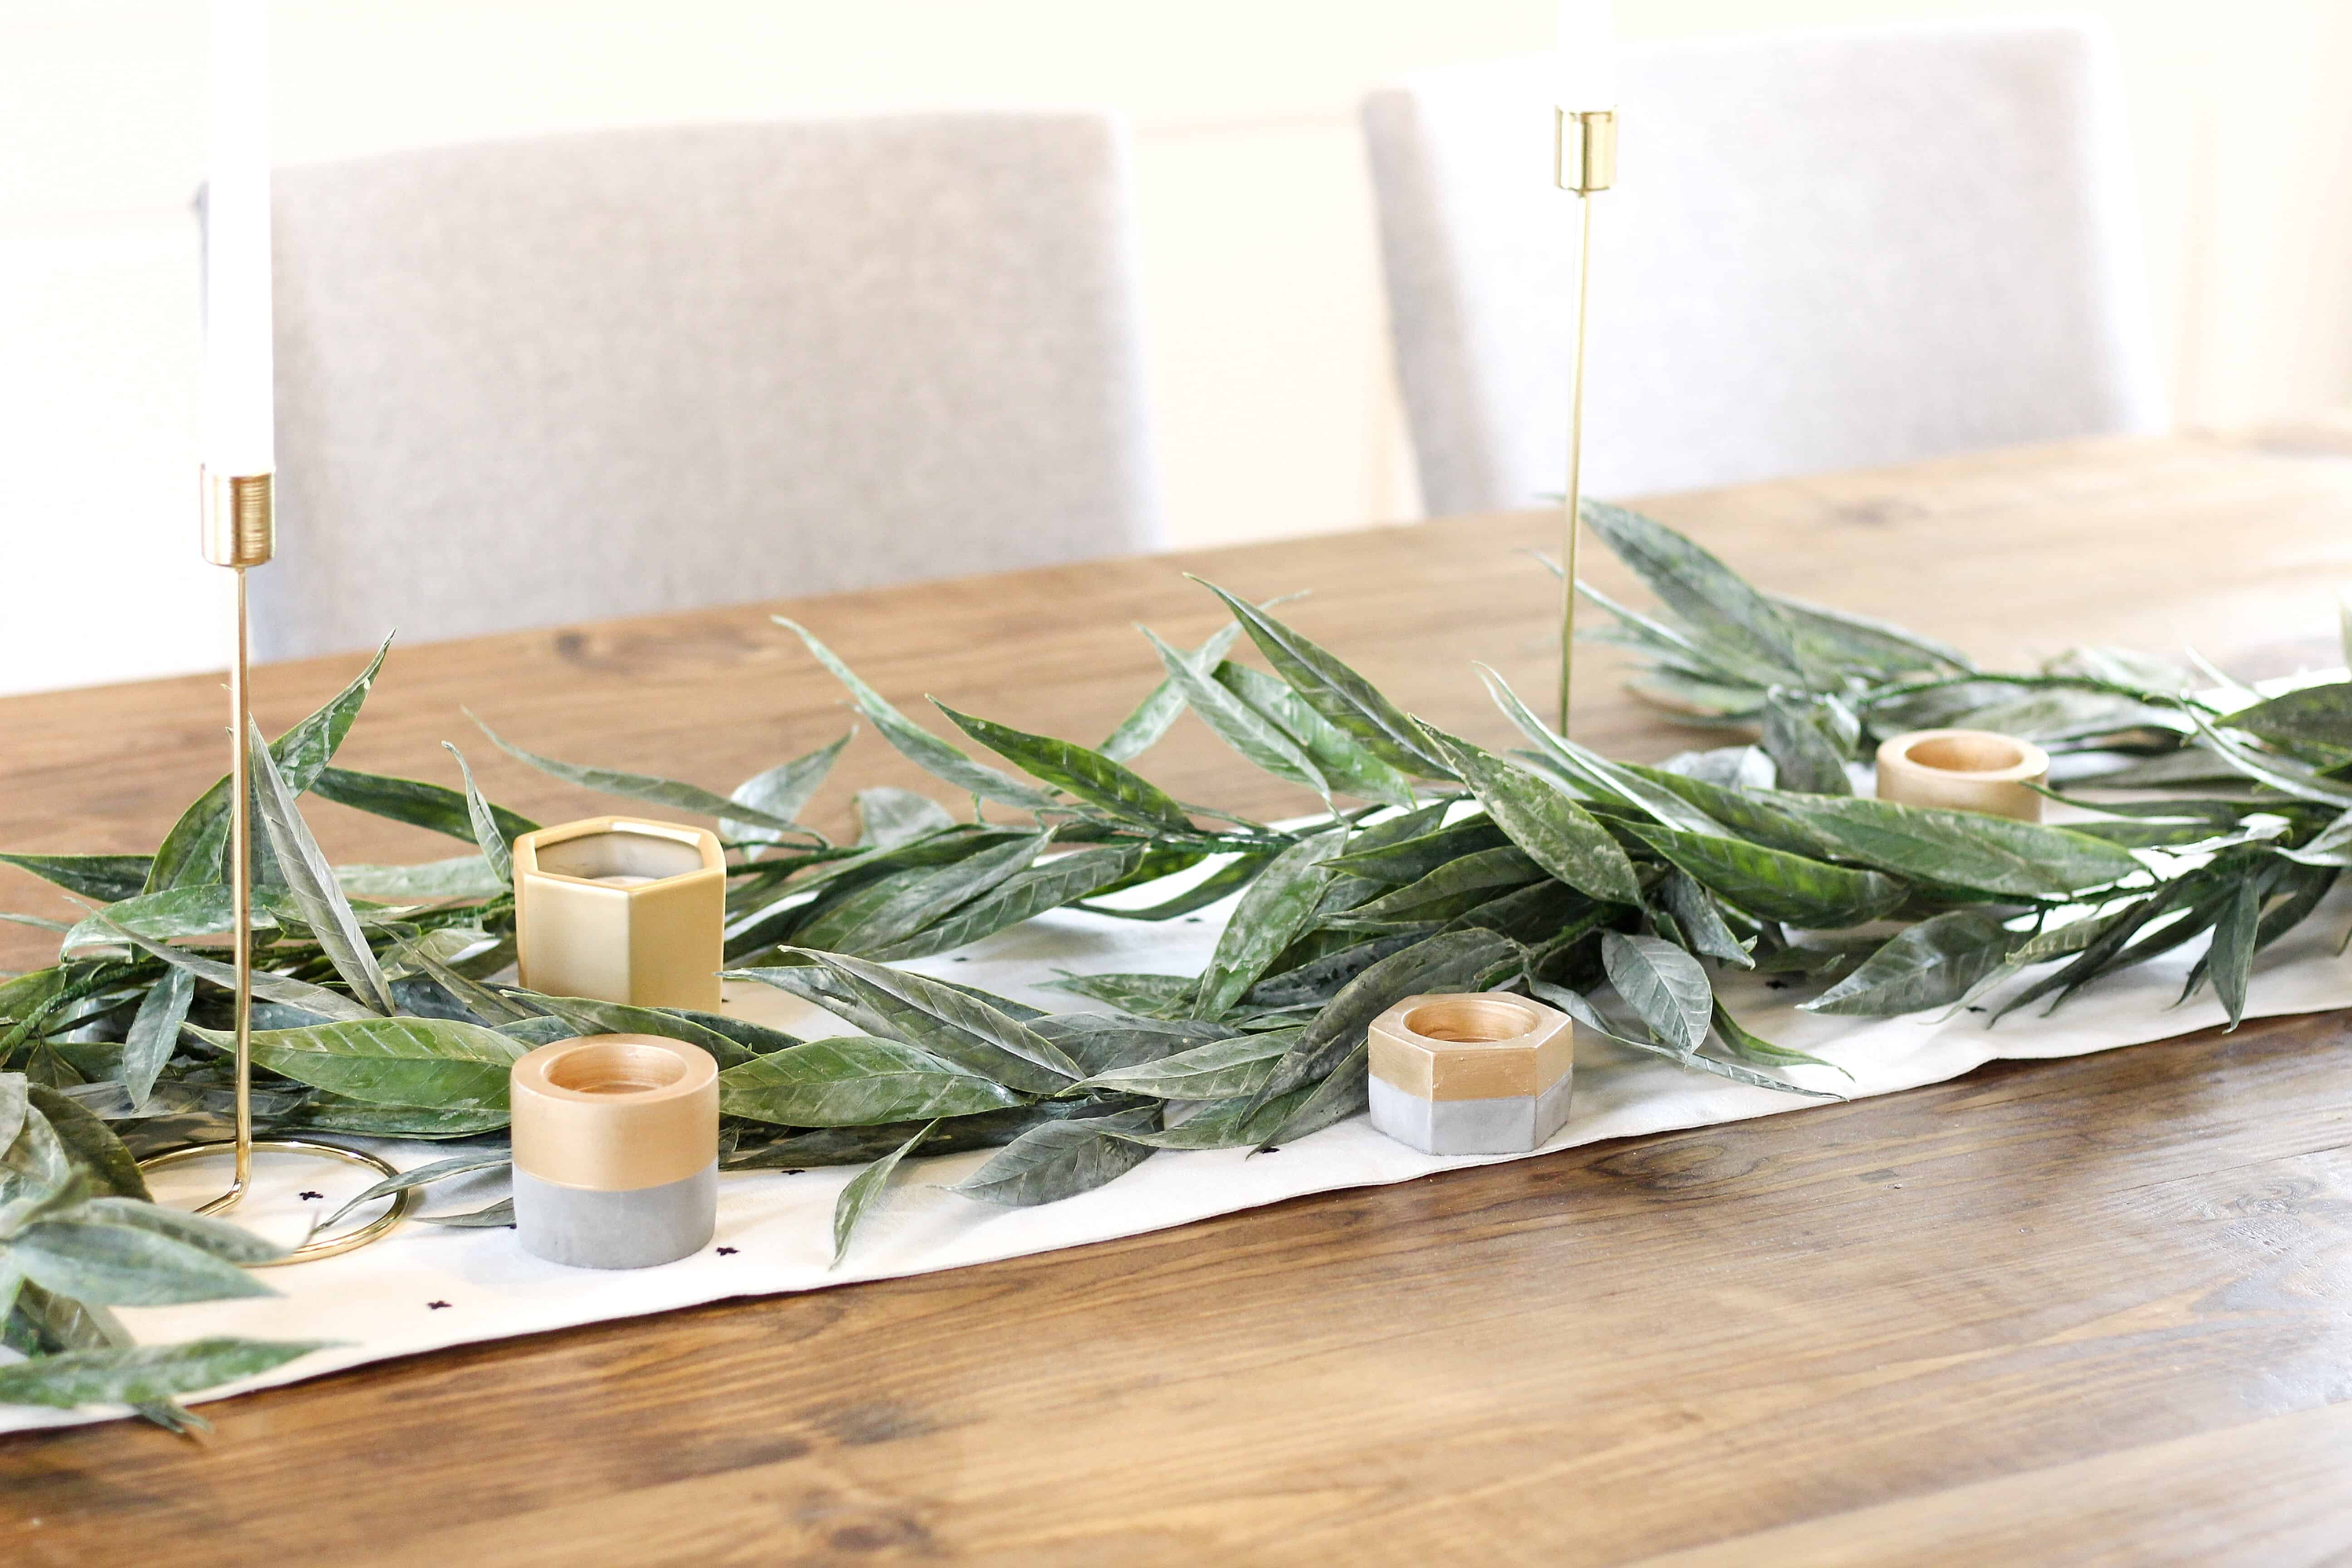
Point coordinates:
[[240, 532], [1584, 161]]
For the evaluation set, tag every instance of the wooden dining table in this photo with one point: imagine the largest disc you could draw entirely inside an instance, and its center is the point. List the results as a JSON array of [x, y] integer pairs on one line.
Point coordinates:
[[2092, 1311]]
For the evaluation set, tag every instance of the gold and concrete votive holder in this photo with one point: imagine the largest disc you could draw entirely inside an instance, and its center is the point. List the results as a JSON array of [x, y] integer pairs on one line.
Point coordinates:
[[1964, 769], [620, 908], [1483, 1074], [615, 1150]]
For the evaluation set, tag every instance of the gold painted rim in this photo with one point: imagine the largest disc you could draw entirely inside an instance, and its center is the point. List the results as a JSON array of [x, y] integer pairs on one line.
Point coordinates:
[[309, 1251]]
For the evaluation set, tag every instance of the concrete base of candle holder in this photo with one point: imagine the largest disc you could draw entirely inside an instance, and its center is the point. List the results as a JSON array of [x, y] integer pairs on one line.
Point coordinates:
[[589, 1229], [1487, 1074]]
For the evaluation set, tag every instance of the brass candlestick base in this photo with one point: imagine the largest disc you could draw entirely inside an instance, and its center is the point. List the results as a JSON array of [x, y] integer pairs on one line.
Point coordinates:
[[240, 531], [1584, 160]]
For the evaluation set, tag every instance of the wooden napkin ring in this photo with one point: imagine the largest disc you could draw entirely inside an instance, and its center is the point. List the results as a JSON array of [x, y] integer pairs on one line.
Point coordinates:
[[1483, 1074], [616, 1149], [1963, 770]]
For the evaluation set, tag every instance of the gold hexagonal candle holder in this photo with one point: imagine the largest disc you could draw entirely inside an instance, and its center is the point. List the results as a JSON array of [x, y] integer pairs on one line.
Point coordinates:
[[620, 908], [1483, 1074]]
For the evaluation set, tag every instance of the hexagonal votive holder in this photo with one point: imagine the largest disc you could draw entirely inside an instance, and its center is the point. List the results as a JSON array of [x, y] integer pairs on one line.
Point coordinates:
[[615, 1150], [619, 909], [1488, 1073]]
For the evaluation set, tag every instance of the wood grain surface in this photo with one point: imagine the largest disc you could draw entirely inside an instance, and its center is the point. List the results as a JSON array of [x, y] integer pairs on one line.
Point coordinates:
[[2096, 1310]]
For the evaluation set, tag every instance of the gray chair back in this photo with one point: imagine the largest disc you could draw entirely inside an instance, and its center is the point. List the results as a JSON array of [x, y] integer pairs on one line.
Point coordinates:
[[536, 381], [1824, 251]]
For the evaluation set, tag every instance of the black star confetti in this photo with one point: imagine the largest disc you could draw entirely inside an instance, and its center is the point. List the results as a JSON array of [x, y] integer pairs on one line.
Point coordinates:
[[434, 1306], [313, 1197], [726, 1252]]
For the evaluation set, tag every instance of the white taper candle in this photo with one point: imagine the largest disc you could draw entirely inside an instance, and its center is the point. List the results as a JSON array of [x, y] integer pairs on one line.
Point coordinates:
[[237, 398], [1587, 55]]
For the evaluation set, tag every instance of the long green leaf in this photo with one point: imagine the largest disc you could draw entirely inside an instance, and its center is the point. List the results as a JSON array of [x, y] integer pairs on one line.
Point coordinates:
[[1088, 775], [1584, 1012], [971, 1033], [435, 807], [312, 881], [272, 987], [851, 1080], [1216, 1071], [141, 1374], [1451, 890], [864, 1188], [1693, 908], [1336, 692], [917, 744], [1060, 1160], [1698, 587], [1557, 833], [1049, 885], [195, 848], [1406, 860], [1457, 960], [2311, 716], [646, 787], [590, 1015], [783, 791], [1804, 741], [1146, 995], [422, 1175], [202, 909], [429, 1063], [1595, 772], [1276, 908], [1964, 849], [107, 877], [497, 848], [1345, 1091], [124, 1266], [1344, 762], [1931, 965], [155, 1031], [461, 876], [891, 818], [1236, 722], [1150, 720], [1750, 1047], [888, 910], [1662, 983], [2232, 957], [1773, 884], [214, 1237]]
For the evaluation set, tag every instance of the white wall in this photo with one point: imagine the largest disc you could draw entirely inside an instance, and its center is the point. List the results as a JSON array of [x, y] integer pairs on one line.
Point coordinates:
[[1272, 404]]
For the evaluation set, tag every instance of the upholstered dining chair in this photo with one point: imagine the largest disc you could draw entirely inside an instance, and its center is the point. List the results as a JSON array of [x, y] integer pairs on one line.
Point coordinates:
[[1822, 251], [532, 381]]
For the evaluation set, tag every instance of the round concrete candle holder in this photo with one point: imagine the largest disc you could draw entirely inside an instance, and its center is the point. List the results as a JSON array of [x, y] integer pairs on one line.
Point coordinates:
[[619, 909], [1963, 770], [615, 1150], [1483, 1074]]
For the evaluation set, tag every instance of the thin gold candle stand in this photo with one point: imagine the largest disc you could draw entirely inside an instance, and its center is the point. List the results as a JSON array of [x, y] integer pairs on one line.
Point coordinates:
[[240, 531], [1584, 160]]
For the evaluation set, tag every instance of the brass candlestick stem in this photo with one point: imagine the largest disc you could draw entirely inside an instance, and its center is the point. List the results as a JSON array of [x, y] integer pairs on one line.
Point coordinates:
[[240, 532], [1584, 154]]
